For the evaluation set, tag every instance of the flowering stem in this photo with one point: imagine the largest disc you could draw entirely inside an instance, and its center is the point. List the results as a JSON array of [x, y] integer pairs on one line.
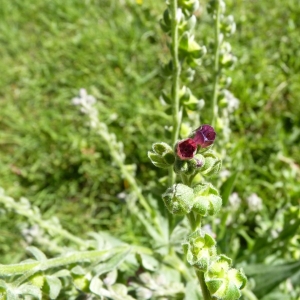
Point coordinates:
[[205, 291], [176, 111], [216, 65]]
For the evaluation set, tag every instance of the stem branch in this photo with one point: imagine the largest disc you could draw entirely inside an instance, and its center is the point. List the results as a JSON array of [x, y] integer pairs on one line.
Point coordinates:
[[216, 65]]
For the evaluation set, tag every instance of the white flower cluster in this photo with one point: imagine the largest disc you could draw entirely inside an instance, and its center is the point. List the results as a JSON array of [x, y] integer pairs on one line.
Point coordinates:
[[254, 203], [86, 103], [232, 102], [84, 99], [235, 201]]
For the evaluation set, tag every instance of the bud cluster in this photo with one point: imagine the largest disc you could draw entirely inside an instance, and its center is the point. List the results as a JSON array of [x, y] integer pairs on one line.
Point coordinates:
[[223, 282], [190, 156], [203, 199], [225, 59], [190, 52]]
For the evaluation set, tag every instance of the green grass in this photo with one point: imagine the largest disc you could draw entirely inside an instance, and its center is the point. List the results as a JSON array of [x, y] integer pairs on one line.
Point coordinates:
[[51, 49]]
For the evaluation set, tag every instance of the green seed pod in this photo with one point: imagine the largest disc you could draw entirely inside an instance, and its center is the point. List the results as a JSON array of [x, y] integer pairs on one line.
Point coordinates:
[[207, 200], [199, 249], [179, 199], [222, 281]]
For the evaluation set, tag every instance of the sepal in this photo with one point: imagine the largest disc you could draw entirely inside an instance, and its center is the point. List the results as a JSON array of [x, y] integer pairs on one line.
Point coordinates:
[[161, 148], [162, 156], [222, 281], [207, 200], [179, 199], [189, 6], [212, 164], [180, 166], [157, 160], [199, 249]]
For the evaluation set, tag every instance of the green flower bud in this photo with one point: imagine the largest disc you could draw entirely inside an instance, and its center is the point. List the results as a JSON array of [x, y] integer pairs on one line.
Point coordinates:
[[212, 164], [169, 157], [207, 200], [163, 155], [222, 281], [189, 6], [161, 148], [165, 98], [180, 166], [228, 25], [179, 199], [165, 23], [199, 249], [196, 163], [157, 160]]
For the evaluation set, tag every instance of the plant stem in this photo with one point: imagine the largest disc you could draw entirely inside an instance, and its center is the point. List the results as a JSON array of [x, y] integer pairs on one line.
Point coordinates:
[[176, 111], [205, 291], [216, 65]]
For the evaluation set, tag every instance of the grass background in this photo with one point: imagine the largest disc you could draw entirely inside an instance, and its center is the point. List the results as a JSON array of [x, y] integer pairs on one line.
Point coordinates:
[[51, 49]]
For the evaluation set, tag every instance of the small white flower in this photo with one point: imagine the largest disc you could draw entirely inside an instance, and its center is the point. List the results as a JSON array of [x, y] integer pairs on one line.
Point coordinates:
[[234, 200], [232, 102], [254, 202], [84, 99], [31, 233]]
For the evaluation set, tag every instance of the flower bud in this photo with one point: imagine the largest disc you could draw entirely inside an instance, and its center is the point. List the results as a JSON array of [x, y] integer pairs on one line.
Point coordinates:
[[212, 164], [199, 249], [205, 135], [157, 160], [222, 281], [207, 200], [179, 199], [163, 155], [180, 166], [165, 23], [197, 162], [169, 157], [161, 148]]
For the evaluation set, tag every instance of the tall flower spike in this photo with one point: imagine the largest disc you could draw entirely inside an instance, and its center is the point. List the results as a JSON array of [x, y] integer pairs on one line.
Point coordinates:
[[205, 136]]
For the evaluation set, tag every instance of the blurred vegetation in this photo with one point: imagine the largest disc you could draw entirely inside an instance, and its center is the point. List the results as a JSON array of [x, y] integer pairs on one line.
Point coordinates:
[[50, 49]]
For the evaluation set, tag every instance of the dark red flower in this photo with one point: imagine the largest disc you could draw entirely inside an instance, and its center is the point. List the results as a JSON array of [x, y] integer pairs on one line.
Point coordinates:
[[205, 135], [186, 149]]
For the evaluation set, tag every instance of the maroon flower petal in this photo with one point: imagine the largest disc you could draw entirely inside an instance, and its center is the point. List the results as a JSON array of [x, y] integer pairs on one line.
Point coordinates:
[[205, 136], [186, 149]]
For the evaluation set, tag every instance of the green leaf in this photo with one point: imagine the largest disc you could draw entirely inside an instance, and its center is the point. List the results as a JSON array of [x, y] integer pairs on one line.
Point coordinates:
[[37, 253], [192, 291], [147, 261], [54, 286], [269, 277], [28, 289], [96, 286], [227, 187], [112, 263]]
